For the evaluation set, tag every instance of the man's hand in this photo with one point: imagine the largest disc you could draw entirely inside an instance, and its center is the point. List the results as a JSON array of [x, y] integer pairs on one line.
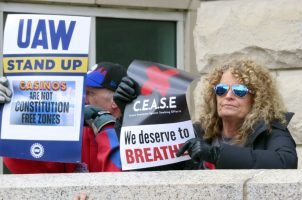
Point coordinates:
[[5, 92], [82, 196], [125, 93], [97, 118], [199, 151]]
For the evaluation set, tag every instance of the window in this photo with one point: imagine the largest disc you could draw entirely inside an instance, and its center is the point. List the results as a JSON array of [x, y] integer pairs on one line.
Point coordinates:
[[123, 40]]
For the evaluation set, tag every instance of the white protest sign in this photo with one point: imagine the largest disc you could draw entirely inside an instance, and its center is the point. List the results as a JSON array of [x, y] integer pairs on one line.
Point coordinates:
[[153, 145], [45, 58], [157, 123]]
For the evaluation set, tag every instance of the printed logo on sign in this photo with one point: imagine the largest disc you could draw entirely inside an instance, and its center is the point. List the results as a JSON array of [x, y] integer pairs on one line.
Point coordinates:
[[158, 80], [37, 150], [57, 33]]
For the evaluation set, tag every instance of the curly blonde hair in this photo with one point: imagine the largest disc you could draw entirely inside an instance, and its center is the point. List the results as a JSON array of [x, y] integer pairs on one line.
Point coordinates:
[[267, 102]]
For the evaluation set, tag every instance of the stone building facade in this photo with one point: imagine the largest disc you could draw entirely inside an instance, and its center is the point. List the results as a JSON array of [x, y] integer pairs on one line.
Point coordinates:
[[267, 31]]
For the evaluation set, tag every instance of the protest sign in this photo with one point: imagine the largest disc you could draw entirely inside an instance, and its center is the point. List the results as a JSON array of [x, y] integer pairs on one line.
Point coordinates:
[[45, 59], [157, 122]]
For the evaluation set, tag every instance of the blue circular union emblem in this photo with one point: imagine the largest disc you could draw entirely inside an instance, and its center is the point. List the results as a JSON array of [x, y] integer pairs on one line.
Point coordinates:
[[37, 150]]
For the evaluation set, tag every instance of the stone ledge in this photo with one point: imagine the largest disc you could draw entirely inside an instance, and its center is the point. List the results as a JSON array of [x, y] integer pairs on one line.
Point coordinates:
[[276, 184], [202, 184], [156, 4]]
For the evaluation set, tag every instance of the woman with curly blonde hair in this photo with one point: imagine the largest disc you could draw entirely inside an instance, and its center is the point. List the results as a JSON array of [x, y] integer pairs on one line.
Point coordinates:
[[243, 121]]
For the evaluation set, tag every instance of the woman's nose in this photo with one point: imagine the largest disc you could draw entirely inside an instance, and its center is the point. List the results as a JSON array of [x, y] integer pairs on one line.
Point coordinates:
[[229, 94]]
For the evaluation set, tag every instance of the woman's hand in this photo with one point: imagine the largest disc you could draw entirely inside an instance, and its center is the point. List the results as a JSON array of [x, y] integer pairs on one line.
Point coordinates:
[[199, 151]]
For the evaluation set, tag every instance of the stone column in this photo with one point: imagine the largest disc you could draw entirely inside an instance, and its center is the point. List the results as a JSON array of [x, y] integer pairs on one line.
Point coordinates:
[[267, 31]]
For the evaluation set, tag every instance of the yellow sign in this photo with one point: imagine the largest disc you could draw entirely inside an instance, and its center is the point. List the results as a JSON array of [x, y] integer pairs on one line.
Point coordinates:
[[45, 64]]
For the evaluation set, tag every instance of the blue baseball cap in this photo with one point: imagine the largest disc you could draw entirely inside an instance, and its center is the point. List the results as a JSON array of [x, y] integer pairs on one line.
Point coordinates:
[[105, 75]]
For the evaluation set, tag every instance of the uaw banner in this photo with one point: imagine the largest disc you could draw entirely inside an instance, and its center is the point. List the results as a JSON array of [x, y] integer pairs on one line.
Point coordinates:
[[157, 122], [45, 59]]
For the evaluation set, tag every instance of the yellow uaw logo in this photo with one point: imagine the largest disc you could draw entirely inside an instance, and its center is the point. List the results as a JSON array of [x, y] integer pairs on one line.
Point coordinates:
[[45, 64]]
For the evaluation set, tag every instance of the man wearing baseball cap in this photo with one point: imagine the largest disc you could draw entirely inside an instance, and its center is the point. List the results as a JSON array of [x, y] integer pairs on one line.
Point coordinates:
[[100, 144], [101, 82]]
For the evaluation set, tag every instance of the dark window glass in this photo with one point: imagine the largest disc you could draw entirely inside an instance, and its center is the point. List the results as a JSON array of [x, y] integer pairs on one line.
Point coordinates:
[[123, 40]]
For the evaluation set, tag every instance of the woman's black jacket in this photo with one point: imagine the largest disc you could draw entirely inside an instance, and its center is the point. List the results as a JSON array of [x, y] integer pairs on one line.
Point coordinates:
[[262, 150]]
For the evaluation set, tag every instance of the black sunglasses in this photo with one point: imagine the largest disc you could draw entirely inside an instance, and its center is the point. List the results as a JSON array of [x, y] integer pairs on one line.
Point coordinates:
[[238, 89]]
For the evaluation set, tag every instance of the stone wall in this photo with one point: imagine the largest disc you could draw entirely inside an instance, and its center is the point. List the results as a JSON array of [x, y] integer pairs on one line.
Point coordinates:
[[201, 184], [269, 32]]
